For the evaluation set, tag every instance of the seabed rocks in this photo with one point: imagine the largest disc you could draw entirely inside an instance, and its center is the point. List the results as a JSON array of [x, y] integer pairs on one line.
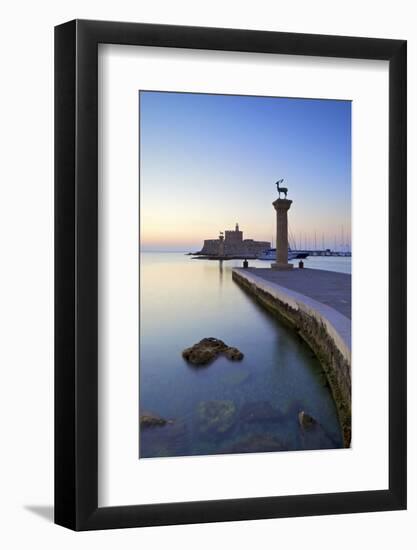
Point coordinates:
[[151, 420], [216, 417], [313, 436], [208, 349], [170, 439]]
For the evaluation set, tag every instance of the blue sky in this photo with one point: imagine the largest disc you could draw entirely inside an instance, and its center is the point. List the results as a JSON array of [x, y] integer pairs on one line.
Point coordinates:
[[208, 161]]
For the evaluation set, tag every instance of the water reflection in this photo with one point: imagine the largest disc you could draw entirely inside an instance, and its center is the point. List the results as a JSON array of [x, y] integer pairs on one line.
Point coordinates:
[[220, 272]]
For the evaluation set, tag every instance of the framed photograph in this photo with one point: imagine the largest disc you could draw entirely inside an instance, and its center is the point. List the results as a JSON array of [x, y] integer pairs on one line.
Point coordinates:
[[230, 255]]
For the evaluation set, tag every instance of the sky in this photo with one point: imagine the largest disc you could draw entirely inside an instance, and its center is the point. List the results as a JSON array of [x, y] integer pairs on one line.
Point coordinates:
[[209, 161]]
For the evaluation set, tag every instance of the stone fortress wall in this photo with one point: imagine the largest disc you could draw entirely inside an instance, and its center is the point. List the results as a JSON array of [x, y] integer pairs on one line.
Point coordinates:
[[234, 245]]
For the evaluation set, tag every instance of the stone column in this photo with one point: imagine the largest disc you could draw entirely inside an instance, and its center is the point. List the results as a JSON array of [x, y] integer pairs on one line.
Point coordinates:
[[282, 206]]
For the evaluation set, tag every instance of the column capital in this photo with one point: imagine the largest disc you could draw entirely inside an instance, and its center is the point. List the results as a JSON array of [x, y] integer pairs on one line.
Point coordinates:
[[282, 204]]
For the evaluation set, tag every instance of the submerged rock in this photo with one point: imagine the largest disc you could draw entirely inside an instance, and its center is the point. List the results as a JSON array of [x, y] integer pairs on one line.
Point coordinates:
[[151, 420], [208, 349], [306, 421], [314, 436], [259, 411], [172, 439], [216, 417], [255, 444]]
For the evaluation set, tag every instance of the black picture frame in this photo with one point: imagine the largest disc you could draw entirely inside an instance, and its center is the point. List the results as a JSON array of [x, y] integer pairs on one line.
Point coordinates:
[[76, 273]]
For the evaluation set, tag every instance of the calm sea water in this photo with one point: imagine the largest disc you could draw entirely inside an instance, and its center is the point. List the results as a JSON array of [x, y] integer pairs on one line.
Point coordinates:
[[257, 400]]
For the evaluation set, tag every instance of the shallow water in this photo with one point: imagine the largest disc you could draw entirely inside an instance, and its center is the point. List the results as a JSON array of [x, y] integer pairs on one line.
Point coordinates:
[[257, 400]]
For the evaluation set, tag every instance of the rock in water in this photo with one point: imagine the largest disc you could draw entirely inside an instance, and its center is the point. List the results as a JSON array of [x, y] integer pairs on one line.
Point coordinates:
[[150, 420], [233, 354], [216, 417], [306, 421], [208, 349], [314, 436]]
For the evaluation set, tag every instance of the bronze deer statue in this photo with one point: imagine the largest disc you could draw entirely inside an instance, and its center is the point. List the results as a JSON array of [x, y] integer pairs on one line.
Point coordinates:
[[281, 189]]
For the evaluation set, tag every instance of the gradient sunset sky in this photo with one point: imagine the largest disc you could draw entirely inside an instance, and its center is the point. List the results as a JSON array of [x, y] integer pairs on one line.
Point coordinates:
[[209, 161]]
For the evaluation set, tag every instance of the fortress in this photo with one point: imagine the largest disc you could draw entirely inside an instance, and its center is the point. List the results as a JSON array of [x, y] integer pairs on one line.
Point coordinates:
[[232, 244]]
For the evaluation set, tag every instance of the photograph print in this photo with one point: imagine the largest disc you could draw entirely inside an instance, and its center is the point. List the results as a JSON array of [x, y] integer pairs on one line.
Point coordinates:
[[244, 274]]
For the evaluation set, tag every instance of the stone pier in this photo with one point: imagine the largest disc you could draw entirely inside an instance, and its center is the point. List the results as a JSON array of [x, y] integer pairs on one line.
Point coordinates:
[[282, 206], [318, 305]]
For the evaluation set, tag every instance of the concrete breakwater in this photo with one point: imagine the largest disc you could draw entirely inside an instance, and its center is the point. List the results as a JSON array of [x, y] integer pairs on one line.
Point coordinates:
[[318, 305]]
